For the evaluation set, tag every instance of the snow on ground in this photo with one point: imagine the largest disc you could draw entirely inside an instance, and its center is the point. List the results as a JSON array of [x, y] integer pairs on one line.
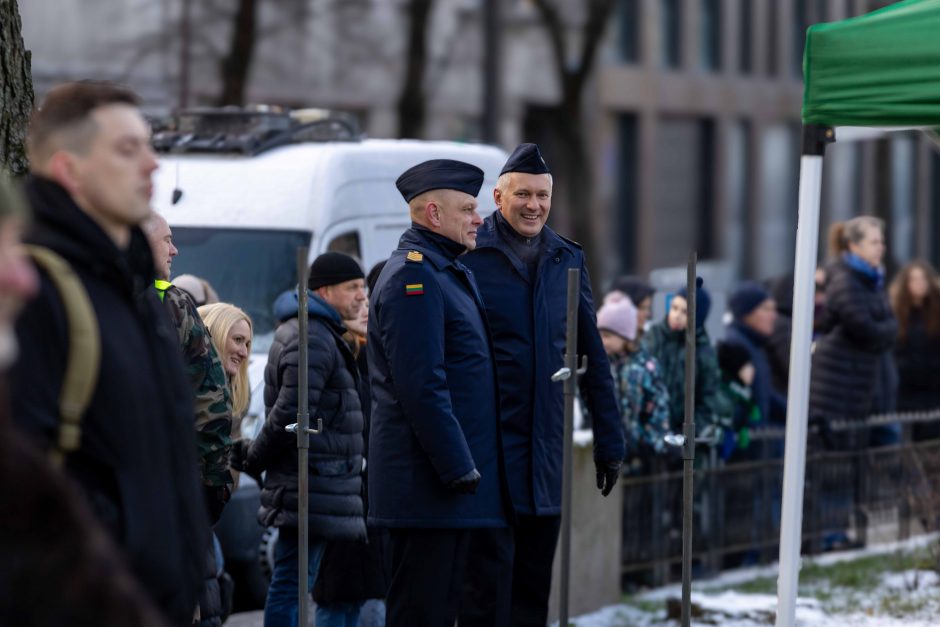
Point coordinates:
[[909, 598]]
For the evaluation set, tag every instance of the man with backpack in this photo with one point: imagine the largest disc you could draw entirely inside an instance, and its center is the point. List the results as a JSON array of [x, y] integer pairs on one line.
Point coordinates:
[[122, 428]]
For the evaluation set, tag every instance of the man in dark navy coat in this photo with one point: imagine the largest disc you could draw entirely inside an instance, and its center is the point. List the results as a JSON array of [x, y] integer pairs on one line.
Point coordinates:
[[435, 466], [521, 267]]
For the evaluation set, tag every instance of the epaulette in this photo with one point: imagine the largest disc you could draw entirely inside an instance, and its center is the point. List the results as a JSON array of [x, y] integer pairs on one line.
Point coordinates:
[[415, 256], [571, 241]]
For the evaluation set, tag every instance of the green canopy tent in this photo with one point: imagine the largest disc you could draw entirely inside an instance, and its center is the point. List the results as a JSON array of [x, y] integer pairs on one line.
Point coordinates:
[[880, 70]]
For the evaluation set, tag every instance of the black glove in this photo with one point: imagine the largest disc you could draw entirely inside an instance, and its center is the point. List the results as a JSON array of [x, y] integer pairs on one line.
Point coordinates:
[[607, 474], [216, 497], [238, 457], [466, 484]]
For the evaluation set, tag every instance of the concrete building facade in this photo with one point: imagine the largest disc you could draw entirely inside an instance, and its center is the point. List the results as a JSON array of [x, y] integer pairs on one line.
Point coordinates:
[[693, 108]]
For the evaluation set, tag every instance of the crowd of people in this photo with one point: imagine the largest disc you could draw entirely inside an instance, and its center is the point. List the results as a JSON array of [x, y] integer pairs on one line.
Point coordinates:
[[435, 481], [874, 352]]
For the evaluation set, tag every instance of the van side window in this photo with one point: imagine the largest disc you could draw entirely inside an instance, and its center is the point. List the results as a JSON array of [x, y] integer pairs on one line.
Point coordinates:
[[347, 243]]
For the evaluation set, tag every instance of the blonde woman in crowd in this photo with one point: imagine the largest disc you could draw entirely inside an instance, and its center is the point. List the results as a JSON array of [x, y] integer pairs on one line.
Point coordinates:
[[231, 331]]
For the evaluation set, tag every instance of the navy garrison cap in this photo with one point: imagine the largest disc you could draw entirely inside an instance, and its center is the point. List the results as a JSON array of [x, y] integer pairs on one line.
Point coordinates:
[[527, 159], [440, 174]]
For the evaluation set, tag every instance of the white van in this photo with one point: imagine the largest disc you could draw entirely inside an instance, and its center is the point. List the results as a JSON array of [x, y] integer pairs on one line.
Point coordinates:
[[238, 219]]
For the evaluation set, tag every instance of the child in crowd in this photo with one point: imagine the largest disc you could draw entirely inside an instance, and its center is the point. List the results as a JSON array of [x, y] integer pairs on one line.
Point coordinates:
[[665, 341], [638, 384]]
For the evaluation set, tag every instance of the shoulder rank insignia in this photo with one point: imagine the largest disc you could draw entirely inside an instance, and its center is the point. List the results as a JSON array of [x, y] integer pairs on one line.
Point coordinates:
[[415, 256], [414, 289]]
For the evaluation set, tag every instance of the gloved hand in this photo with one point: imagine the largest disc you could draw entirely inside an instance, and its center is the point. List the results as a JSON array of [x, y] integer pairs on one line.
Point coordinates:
[[238, 457], [607, 474], [466, 484], [238, 460], [216, 497]]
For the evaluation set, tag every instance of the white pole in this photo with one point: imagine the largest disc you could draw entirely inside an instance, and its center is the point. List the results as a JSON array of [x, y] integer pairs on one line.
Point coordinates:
[[794, 466]]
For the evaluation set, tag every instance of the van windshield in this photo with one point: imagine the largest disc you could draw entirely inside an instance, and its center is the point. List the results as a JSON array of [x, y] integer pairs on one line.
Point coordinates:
[[247, 267]]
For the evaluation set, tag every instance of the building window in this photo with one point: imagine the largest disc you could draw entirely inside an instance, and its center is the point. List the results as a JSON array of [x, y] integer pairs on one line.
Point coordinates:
[[627, 192], [737, 247], [682, 211], [629, 30], [805, 14], [777, 207], [773, 25], [671, 25], [903, 216], [745, 38], [710, 53]]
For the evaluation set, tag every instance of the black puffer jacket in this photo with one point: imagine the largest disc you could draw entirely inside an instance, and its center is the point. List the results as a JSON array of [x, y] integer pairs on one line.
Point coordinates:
[[336, 454], [848, 360]]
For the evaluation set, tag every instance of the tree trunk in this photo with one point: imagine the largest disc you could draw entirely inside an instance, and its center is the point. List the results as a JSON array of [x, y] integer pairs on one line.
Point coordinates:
[[573, 165], [573, 162], [16, 90], [411, 110], [236, 66]]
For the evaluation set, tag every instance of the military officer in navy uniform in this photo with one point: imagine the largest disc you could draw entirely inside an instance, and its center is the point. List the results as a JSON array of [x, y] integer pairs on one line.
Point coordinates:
[[521, 268], [435, 468]]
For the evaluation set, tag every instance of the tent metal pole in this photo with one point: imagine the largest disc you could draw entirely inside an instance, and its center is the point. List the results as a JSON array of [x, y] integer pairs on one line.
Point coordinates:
[[815, 139]]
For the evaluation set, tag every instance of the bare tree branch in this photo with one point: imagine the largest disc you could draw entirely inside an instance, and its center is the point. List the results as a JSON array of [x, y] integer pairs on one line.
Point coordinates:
[[556, 34], [599, 13]]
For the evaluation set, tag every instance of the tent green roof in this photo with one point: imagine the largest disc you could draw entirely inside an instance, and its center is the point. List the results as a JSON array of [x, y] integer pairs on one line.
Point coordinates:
[[880, 69]]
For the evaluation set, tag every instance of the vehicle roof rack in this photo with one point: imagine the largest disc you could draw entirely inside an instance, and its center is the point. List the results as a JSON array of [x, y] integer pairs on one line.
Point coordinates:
[[250, 131]]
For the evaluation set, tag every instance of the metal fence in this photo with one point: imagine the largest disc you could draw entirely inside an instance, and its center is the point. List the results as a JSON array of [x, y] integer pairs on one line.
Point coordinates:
[[855, 494]]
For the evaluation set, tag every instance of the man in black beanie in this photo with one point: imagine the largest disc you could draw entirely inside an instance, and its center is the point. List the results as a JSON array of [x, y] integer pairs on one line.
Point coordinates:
[[336, 292]]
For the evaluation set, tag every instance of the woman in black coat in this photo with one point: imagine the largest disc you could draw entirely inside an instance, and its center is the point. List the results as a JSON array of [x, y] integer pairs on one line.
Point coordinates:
[[853, 373], [915, 298]]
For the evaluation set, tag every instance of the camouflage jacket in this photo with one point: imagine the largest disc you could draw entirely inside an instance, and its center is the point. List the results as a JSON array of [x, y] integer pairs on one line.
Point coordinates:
[[211, 394], [644, 401]]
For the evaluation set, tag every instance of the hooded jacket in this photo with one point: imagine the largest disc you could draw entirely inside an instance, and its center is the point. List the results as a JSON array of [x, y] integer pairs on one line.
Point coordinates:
[[335, 457], [668, 347]]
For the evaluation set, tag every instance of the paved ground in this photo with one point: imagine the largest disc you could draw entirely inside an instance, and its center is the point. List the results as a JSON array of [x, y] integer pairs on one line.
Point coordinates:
[[253, 619]]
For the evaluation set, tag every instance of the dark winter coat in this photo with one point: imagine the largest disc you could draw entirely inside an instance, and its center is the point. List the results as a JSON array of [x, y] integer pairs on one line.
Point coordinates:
[[59, 567], [668, 347], [849, 358], [771, 404], [353, 571], [137, 461], [918, 362], [335, 479], [528, 318], [435, 411]]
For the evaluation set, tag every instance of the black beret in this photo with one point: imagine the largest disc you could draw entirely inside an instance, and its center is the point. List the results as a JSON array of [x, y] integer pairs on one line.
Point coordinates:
[[440, 174], [527, 159], [332, 269]]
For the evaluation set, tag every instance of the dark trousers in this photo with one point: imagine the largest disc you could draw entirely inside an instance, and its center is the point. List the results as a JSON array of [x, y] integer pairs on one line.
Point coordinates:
[[522, 555], [427, 568]]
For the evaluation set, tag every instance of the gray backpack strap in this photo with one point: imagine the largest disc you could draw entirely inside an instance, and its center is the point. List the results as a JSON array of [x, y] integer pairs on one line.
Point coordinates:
[[84, 351]]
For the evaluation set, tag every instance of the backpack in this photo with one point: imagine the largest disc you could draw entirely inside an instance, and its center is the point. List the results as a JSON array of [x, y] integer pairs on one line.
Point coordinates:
[[84, 356]]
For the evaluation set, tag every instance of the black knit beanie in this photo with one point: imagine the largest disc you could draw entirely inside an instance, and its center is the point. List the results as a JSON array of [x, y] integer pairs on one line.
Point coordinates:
[[332, 269]]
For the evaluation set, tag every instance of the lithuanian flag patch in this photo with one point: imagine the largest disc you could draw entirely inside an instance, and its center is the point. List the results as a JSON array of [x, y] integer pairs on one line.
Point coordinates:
[[414, 289]]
